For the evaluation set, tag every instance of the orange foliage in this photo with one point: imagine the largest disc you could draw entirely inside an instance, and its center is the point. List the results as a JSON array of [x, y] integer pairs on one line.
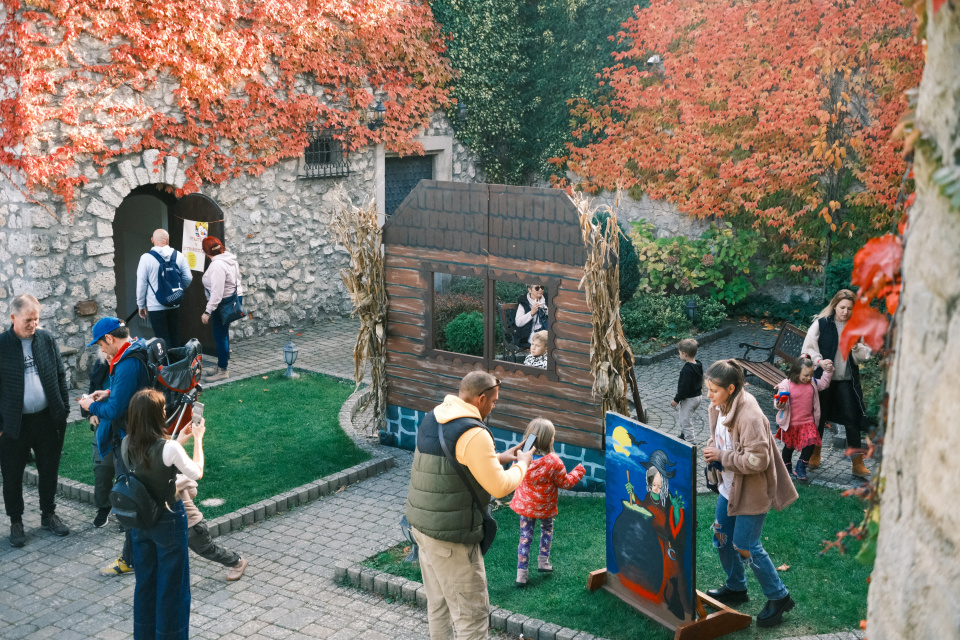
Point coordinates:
[[763, 106], [876, 271], [243, 77]]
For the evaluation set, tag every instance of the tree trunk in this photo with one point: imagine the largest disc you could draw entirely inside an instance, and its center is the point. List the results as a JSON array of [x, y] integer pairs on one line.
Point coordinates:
[[913, 592]]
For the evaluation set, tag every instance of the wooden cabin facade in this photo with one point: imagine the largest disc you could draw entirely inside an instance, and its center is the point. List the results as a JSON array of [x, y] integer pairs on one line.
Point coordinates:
[[496, 238]]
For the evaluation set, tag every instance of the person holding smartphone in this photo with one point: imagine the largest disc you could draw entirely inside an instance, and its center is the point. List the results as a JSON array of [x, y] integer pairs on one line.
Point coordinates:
[[532, 314]]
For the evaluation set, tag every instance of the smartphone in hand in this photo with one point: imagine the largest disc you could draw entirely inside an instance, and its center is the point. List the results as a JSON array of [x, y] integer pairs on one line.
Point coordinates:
[[528, 443], [197, 412]]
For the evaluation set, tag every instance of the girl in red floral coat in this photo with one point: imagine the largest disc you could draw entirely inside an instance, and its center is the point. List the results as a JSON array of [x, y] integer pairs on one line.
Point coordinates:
[[536, 497]]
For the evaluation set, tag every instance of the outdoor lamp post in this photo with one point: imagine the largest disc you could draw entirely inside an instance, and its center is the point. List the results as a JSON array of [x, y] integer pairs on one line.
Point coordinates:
[[692, 307], [290, 356], [408, 535], [461, 111], [376, 116]]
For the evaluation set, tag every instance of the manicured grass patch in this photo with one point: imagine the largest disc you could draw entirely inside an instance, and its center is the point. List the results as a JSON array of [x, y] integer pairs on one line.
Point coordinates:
[[830, 591], [264, 437]]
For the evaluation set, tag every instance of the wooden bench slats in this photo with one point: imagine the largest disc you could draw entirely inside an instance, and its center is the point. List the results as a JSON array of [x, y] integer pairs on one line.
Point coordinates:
[[788, 347]]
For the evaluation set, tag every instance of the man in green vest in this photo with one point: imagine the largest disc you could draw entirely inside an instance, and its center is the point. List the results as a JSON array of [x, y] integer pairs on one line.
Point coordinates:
[[446, 522]]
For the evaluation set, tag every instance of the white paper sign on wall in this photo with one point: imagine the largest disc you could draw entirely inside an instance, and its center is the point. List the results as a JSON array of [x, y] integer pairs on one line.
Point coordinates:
[[193, 234]]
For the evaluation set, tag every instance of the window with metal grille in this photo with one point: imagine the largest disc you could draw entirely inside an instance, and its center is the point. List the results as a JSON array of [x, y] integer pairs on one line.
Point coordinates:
[[324, 156]]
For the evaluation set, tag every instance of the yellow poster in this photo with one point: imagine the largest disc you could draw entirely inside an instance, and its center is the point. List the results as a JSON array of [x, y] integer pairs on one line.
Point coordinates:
[[193, 234]]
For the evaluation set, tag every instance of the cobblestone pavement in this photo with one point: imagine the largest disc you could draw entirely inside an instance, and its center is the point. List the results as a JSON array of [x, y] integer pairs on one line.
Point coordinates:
[[51, 589]]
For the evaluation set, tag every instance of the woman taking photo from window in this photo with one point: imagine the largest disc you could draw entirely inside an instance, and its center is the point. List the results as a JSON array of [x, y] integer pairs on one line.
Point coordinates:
[[532, 314], [841, 402], [161, 599]]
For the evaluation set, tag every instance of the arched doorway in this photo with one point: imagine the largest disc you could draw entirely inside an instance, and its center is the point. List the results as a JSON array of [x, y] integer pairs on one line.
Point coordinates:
[[144, 210], [195, 207]]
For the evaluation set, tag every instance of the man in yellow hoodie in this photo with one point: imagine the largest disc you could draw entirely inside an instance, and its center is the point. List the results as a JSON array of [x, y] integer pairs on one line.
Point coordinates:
[[447, 525]]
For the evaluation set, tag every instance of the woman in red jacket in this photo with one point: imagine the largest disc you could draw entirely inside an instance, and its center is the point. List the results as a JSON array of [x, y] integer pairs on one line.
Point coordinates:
[[536, 497]]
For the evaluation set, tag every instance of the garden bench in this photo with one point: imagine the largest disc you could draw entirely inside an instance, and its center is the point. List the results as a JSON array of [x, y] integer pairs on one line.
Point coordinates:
[[787, 348], [508, 335]]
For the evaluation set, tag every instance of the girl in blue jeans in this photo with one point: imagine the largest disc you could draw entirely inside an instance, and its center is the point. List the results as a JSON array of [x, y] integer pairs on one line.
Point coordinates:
[[754, 478], [221, 281], [161, 599]]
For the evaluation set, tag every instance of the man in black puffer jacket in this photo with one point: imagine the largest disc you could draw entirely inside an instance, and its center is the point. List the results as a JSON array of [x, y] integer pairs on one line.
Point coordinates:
[[33, 414]]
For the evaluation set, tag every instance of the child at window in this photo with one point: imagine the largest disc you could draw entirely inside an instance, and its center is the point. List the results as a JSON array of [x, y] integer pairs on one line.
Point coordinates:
[[538, 350]]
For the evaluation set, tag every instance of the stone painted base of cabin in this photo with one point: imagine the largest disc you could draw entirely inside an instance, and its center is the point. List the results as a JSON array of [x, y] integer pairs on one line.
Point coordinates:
[[401, 432]]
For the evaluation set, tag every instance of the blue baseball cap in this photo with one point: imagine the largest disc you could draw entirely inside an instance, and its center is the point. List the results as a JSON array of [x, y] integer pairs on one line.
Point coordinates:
[[104, 326]]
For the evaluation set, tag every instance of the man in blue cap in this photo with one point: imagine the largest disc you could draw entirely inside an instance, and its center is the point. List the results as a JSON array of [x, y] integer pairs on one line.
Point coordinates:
[[128, 374]]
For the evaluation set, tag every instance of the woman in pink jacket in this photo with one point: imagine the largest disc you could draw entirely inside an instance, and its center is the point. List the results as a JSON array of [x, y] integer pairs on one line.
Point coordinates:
[[220, 281]]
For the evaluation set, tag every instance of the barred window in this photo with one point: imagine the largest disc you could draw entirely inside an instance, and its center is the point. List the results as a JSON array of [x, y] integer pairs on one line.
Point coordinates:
[[324, 155]]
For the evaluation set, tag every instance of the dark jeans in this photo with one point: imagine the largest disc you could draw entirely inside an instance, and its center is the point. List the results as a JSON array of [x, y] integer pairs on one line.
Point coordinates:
[[161, 599], [203, 545], [166, 325], [103, 478], [39, 434], [221, 338], [839, 403]]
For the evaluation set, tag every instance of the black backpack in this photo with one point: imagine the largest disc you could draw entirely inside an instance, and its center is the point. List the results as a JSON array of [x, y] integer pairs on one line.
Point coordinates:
[[169, 291], [133, 504]]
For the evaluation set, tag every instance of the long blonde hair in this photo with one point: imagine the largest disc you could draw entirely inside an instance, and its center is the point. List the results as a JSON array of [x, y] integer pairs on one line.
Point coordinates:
[[839, 296], [545, 432]]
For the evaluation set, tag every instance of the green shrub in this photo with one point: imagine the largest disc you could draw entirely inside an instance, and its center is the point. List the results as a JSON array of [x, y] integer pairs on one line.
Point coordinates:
[[838, 275], [629, 262], [465, 334], [763, 307], [466, 285], [509, 292], [710, 313], [448, 306], [871, 380], [715, 265]]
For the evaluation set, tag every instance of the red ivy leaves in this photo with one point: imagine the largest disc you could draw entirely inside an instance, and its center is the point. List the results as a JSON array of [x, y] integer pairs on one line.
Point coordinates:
[[742, 108], [240, 80], [876, 270]]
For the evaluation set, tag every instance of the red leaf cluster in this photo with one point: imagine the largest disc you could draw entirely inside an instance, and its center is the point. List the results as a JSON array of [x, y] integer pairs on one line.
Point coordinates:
[[876, 271], [753, 106], [229, 84]]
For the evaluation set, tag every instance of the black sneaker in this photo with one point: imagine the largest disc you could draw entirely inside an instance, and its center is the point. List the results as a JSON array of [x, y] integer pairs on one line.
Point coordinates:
[[54, 524], [17, 537], [101, 519], [728, 596], [773, 611]]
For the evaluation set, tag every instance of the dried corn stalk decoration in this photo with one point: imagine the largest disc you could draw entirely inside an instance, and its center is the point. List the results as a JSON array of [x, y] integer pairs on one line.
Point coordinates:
[[601, 277], [357, 229]]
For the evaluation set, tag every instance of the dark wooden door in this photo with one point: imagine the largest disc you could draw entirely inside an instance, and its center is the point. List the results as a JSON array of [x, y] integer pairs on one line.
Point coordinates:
[[400, 177], [199, 208]]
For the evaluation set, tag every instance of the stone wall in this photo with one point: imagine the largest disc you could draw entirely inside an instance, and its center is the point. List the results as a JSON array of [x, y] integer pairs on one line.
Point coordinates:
[[915, 585], [277, 224]]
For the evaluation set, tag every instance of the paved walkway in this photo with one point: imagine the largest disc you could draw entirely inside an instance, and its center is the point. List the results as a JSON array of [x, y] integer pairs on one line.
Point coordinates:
[[51, 589]]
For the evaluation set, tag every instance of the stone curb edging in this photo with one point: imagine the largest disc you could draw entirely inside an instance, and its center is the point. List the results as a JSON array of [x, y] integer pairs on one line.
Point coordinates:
[[269, 507], [412, 592], [669, 352]]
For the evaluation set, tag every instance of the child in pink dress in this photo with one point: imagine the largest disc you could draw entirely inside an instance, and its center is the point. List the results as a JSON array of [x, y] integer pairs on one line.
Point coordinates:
[[799, 413], [536, 497]]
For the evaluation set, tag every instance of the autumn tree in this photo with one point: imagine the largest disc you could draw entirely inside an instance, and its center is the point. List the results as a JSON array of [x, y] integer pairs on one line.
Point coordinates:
[[231, 84], [777, 112]]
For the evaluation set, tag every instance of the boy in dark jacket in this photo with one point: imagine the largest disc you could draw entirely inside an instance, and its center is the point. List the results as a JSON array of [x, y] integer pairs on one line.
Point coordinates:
[[689, 387]]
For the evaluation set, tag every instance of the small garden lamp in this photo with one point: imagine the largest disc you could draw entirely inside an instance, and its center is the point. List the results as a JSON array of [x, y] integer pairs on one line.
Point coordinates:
[[290, 356], [408, 535], [691, 308], [461, 111], [376, 116]]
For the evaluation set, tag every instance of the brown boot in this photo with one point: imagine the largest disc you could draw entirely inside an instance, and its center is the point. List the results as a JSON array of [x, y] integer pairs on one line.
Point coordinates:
[[815, 458], [859, 469]]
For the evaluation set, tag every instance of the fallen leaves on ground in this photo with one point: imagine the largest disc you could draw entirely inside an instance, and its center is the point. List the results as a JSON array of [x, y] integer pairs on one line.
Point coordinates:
[[783, 567]]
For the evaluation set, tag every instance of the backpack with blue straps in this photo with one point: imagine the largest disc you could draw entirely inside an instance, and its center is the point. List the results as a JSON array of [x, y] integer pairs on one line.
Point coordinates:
[[169, 291]]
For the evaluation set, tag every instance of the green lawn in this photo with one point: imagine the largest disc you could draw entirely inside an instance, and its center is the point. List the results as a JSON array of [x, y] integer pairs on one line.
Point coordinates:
[[830, 591], [265, 435]]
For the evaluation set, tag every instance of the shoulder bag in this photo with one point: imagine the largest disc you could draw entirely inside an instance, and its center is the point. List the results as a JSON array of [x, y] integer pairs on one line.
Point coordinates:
[[231, 307], [489, 524]]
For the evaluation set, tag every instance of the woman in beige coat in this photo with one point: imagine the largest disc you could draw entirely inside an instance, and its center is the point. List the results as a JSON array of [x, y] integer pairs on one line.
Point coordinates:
[[753, 479]]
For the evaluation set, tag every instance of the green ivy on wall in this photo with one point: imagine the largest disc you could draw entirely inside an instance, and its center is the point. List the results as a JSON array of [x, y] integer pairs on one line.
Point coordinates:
[[518, 65]]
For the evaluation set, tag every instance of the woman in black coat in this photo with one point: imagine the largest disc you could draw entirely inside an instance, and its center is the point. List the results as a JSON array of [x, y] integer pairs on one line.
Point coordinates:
[[532, 314], [841, 402]]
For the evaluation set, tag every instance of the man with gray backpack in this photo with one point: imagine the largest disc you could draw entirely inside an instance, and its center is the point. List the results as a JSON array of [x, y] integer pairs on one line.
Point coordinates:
[[163, 276]]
